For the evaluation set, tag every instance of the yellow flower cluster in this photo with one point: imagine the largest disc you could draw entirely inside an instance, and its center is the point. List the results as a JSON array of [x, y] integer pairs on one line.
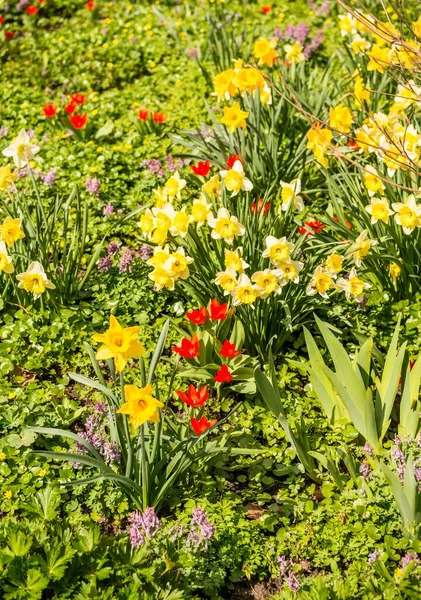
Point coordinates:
[[246, 290], [34, 280], [240, 80], [163, 222], [324, 278], [382, 42]]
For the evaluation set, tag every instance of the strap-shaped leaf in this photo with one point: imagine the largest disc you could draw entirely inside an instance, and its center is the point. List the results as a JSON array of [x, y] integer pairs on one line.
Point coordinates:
[[158, 350], [94, 384], [66, 434]]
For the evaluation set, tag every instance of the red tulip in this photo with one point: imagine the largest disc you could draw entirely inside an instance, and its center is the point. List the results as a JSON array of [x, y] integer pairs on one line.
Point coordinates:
[[2, 19], [159, 117], [189, 348], [143, 114], [79, 98], [232, 159], [353, 145], [218, 311], [201, 425], [197, 316], [79, 121], [223, 375], [316, 226], [70, 108], [194, 397], [228, 350], [49, 110], [9, 34], [256, 207], [32, 9], [90, 5], [266, 9], [202, 168]]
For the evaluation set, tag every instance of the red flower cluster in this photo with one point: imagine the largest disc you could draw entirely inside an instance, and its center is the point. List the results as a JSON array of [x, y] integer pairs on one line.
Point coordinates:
[[256, 207], [217, 312], [202, 168], [189, 348], [232, 159], [316, 226], [194, 397], [202, 425], [266, 9], [157, 117]]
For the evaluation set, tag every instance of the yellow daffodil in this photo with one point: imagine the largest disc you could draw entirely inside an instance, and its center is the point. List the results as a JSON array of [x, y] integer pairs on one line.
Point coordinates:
[[267, 282], [119, 343], [244, 292], [265, 94], [406, 96], [289, 271], [10, 231], [361, 247], [174, 185], [353, 286], [6, 178], [347, 25], [294, 52], [359, 45], [394, 270], [160, 197], [6, 264], [372, 181], [380, 58], [35, 280], [178, 264], [201, 211], [21, 150], [147, 222], [212, 188], [162, 278], [333, 263], [278, 250], [379, 210], [361, 93], [319, 141], [223, 84], [265, 51], [340, 118], [234, 260], [180, 224], [227, 280], [408, 214], [320, 283], [225, 226], [140, 405], [159, 257], [290, 195], [248, 79], [234, 117], [235, 180]]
